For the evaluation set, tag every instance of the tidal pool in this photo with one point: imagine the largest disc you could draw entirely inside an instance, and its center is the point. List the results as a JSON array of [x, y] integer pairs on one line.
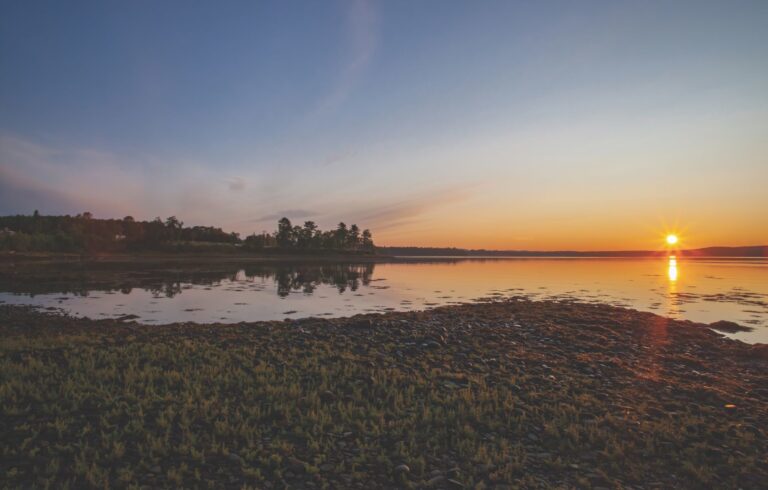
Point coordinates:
[[702, 290]]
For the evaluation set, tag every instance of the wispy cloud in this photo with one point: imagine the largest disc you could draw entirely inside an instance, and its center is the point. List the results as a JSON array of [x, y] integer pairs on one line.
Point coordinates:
[[287, 213], [410, 210], [20, 194], [338, 157], [362, 31], [60, 179], [236, 184], [67, 180]]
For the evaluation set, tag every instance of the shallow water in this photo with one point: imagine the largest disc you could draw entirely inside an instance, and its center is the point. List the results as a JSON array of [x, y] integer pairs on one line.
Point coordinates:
[[702, 290]]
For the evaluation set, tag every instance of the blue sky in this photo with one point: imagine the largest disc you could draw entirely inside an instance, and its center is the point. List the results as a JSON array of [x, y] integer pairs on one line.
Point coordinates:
[[556, 122]]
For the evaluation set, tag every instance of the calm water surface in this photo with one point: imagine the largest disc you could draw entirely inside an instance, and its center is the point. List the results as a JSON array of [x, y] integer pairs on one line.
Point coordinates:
[[695, 289]]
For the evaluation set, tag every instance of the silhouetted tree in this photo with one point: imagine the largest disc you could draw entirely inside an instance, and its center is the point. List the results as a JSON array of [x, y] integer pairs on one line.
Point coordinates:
[[284, 233], [353, 237], [306, 235], [84, 233], [367, 240], [341, 235]]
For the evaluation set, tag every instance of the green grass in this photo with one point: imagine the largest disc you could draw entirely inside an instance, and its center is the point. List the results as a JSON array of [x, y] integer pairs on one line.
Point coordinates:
[[319, 406]]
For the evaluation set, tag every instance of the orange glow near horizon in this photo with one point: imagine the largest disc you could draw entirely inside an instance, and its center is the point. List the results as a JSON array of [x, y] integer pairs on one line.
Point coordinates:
[[537, 237], [540, 229]]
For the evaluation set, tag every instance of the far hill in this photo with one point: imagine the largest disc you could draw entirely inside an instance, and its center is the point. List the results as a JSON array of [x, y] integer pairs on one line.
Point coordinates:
[[751, 251]]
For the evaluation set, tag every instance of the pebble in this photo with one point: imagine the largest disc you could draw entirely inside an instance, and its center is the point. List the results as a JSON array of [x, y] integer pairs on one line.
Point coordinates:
[[402, 469], [296, 464], [436, 480]]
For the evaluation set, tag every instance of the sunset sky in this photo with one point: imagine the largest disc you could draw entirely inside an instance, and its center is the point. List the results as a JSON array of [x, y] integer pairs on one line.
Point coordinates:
[[507, 125]]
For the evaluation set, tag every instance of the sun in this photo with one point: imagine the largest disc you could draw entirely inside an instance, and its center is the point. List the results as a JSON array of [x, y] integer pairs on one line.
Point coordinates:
[[672, 239]]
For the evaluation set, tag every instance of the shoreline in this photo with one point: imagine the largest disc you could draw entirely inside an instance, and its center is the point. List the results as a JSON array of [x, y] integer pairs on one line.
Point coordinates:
[[177, 258], [494, 395], [153, 258]]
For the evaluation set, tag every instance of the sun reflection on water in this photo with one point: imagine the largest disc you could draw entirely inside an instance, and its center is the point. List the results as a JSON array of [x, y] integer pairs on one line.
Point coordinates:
[[672, 268], [673, 306]]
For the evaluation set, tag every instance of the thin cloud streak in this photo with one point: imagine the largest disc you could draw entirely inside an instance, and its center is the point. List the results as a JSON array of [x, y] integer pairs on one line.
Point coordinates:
[[288, 213], [73, 180], [410, 210], [362, 25], [236, 184]]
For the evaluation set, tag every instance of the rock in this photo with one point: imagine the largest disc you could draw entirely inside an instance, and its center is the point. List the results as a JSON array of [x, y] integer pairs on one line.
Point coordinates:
[[235, 458], [156, 470], [124, 318], [729, 327], [759, 351], [434, 481], [454, 472], [296, 464], [402, 469]]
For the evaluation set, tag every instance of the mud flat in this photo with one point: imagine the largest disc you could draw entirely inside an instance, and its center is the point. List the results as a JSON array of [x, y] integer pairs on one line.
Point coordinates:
[[497, 395]]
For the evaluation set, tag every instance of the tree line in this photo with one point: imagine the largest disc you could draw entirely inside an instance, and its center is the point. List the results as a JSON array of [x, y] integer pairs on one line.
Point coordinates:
[[310, 237], [84, 233]]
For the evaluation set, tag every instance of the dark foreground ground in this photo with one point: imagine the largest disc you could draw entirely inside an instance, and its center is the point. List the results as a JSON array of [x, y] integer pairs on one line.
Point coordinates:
[[503, 395]]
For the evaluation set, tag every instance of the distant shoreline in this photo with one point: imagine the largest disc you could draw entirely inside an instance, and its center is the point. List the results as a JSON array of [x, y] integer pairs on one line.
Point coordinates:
[[150, 258], [388, 254], [754, 251]]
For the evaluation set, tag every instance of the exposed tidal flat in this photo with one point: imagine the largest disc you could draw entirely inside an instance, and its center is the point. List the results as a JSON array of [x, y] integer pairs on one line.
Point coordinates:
[[501, 394]]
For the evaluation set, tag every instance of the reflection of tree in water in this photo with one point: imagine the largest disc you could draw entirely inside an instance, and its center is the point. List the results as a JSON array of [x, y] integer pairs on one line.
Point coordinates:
[[169, 290], [306, 278], [288, 277], [294, 277]]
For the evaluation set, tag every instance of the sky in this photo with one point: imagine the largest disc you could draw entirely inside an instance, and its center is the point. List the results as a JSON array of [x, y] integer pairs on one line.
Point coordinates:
[[590, 125]]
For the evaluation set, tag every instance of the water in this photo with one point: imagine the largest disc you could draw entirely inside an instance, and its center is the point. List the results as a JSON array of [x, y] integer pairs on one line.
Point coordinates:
[[695, 289]]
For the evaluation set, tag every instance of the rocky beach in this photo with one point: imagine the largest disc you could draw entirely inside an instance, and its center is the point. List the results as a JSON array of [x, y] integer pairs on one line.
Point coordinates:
[[501, 394]]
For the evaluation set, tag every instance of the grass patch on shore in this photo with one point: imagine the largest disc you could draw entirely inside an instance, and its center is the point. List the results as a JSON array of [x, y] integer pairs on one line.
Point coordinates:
[[484, 396]]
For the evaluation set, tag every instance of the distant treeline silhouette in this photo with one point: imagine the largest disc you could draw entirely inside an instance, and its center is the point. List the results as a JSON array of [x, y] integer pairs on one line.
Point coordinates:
[[310, 237], [84, 233]]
